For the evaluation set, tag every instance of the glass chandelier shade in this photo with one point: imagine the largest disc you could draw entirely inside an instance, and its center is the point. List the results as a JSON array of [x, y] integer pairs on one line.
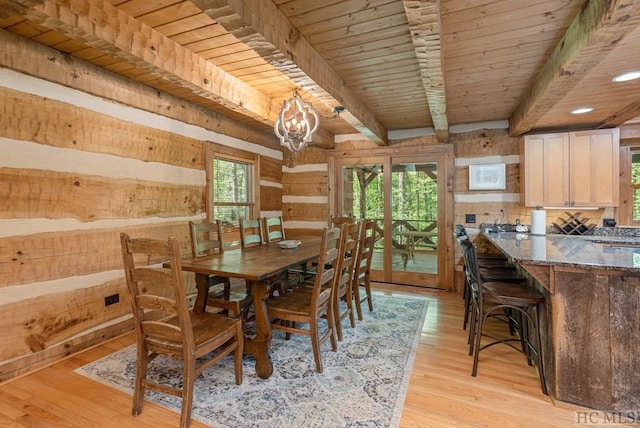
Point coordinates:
[[296, 123]]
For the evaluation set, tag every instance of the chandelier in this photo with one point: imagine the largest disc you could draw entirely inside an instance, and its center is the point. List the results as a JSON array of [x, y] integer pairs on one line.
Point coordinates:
[[296, 123]]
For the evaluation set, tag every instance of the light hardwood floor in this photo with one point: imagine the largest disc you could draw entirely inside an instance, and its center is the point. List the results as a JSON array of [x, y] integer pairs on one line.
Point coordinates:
[[441, 393]]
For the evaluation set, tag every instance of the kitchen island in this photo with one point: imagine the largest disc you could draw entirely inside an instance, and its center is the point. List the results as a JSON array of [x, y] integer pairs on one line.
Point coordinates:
[[591, 317]]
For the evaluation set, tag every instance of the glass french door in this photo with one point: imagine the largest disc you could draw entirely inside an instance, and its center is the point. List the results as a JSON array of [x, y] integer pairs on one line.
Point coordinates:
[[402, 194]]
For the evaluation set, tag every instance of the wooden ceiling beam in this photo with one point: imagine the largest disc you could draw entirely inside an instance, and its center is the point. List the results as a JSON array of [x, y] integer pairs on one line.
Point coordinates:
[[11, 8], [264, 28], [627, 113], [425, 27], [100, 25], [593, 33]]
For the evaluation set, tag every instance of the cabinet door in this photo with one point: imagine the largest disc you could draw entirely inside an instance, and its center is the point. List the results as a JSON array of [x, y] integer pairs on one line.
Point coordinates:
[[545, 169], [594, 168]]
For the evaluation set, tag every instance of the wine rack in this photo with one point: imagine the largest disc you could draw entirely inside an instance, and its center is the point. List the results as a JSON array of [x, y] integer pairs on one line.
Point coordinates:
[[574, 224]]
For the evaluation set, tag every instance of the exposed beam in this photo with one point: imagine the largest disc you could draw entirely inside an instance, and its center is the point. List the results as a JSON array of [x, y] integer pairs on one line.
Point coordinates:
[[264, 28], [425, 27], [98, 24], [10, 8], [622, 116], [593, 33]]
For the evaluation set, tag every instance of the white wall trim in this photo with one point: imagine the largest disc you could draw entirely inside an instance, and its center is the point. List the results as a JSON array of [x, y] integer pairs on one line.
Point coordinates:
[[399, 134], [309, 167], [17, 293], [32, 226], [270, 184], [488, 197], [410, 133], [343, 138], [270, 213], [469, 127], [510, 159], [305, 199], [29, 155]]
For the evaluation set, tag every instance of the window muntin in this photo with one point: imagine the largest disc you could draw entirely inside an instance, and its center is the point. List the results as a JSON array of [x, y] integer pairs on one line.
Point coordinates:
[[233, 185]]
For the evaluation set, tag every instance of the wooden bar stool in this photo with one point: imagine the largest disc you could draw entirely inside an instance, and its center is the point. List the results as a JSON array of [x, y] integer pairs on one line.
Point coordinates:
[[503, 299]]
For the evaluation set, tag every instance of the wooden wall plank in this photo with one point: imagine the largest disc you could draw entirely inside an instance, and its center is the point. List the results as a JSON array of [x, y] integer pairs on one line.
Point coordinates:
[[308, 184], [48, 256], [306, 212], [487, 142], [271, 169], [270, 198], [32, 325], [50, 194]]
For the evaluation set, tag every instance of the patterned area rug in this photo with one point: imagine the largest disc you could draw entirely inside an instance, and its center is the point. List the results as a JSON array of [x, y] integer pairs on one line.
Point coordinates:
[[363, 384]]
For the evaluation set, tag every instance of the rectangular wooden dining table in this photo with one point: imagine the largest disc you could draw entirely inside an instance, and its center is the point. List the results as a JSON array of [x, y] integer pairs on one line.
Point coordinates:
[[260, 266]]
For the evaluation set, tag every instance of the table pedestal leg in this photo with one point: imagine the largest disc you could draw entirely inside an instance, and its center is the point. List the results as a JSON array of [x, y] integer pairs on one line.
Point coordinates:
[[259, 347], [200, 304]]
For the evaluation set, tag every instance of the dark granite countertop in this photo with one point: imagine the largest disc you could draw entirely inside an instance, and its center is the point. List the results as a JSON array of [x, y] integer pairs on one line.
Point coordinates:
[[594, 251]]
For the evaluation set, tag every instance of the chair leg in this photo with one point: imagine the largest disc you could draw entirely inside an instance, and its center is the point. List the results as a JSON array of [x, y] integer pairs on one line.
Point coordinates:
[[315, 344], [357, 299], [478, 336], [237, 354], [141, 375], [331, 325], [188, 378], [349, 299], [367, 286], [335, 308], [467, 303], [473, 321]]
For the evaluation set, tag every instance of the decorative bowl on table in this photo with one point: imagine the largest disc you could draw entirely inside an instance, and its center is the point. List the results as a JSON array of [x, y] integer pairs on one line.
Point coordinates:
[[289, 244]]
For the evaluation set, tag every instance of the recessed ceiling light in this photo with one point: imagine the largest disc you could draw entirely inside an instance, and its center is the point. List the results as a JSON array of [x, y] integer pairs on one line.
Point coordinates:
[[625, 77], [582, 110]]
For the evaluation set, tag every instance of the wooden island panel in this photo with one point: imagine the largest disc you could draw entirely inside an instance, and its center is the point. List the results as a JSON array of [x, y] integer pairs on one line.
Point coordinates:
[[591, 330]]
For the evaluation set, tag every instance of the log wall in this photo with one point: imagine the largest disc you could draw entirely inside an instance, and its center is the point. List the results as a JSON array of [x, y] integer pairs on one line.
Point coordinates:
[[85, 155]]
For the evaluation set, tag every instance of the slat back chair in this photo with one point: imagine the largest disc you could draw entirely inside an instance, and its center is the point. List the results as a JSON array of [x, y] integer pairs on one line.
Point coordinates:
[[310, 306], [274, 232], [503, 299], [165, 326], [251, 233], [362, 266], [274, 229], [342, 289], [206, 240], [338, 220]]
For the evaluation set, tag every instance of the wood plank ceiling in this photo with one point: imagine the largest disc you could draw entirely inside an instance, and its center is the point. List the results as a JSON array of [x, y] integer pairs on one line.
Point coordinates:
[[392, 64]]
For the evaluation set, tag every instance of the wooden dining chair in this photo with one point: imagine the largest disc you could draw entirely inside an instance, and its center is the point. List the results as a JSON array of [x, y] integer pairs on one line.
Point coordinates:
[[310, 306], [207, 240], [273, 229], [251, 233], [338, 220], [342, 288], [165, 326], [367, 239], [509, 302]]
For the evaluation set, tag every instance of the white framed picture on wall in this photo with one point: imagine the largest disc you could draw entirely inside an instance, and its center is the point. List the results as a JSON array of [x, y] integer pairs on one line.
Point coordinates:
[[487, 177]]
